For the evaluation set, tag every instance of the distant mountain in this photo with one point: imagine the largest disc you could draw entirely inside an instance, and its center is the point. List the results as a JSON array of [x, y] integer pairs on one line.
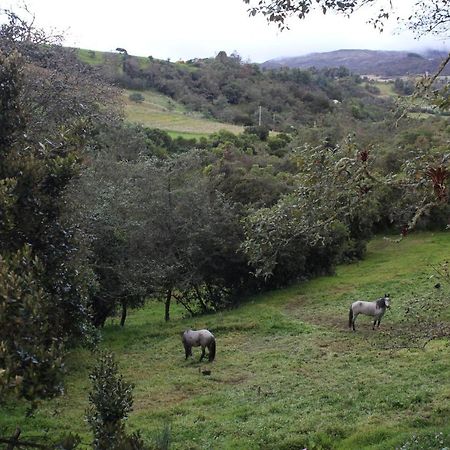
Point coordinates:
[[367, 62]]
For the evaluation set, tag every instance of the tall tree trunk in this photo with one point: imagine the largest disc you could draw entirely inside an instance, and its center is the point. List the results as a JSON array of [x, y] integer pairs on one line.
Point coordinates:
[[167, 304], [14, 440], [124, 313]]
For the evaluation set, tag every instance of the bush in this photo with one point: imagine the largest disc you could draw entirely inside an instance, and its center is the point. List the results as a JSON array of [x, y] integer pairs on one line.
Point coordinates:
[[136, 97], [278, 144], [262, 131], [111, 400]]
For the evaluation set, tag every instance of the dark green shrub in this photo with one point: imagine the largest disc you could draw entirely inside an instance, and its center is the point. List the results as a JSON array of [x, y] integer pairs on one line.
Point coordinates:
[[111, 400], [136, 97], [262, 131]]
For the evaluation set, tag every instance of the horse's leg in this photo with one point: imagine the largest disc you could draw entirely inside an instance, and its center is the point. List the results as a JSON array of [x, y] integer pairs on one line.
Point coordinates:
[[379, 320], [354, 319], [203, 353], [374, 323], [188, 351]]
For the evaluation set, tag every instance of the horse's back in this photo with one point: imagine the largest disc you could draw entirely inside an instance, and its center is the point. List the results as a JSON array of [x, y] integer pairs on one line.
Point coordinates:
[[208, 333], [360, 306], [198, 337], [206, 337]]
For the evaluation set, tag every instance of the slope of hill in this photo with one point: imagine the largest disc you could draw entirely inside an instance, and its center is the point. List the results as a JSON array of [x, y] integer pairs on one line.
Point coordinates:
[[288, 373], [226, 89], [365, 62], [160, 111]]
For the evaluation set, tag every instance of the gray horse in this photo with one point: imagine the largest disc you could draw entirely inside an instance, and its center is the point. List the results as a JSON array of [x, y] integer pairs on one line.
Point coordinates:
[[203, 338], [375, 309]]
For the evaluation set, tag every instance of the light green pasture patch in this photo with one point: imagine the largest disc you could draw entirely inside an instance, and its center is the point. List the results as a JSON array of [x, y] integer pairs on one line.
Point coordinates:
[[386, 89], [91, 57], [160, 111]]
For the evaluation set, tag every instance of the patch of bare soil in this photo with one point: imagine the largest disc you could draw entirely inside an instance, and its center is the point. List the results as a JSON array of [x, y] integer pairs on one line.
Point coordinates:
[[300, 310], [158, 400]]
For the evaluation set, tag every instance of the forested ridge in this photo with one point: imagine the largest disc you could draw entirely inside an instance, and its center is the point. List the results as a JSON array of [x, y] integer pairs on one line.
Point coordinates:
[[99, 216]]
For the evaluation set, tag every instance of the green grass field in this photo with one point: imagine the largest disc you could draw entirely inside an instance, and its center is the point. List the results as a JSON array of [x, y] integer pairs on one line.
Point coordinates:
[[288, 373], [91, 57], [160, 111], [386, 89]]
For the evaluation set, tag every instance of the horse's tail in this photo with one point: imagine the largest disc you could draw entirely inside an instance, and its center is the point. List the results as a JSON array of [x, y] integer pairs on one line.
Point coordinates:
[[212, 351], [350, 317]]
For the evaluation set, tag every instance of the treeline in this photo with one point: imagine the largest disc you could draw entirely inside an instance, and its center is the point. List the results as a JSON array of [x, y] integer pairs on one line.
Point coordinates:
[[174, 228], [206, 223], [229, 90]]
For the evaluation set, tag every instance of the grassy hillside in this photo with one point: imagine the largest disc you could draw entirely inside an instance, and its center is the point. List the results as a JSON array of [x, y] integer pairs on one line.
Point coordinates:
[[231, 91], [160, 111], [199, 97], [157, 110], [288, 374]]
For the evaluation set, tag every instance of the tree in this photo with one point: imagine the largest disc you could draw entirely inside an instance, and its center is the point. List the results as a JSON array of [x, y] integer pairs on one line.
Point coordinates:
[[160, 229], [182, 237], [45, 278], [341, 194], [30, 353], [327, 219], [425, 16], [136, 97], [98, 201], [58, 94], [30, 361], [430, 17]]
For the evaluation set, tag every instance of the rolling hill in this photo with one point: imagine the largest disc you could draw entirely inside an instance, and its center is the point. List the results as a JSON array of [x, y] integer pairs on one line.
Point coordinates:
[[366, 62], [228, 90]]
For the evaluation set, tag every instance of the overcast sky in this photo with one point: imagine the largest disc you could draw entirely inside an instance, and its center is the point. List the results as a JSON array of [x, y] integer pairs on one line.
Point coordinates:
[[186, 29]]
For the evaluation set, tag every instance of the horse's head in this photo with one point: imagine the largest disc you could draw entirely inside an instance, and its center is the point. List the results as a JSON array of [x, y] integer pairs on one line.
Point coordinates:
[[387, 300]]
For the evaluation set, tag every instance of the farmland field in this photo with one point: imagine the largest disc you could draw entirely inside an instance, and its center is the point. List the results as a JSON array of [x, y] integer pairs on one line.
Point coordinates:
[[288, 373]]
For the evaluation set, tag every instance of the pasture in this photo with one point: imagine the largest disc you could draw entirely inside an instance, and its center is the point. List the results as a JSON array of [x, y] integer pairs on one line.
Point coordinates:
[[160, 111], [288, 372]]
